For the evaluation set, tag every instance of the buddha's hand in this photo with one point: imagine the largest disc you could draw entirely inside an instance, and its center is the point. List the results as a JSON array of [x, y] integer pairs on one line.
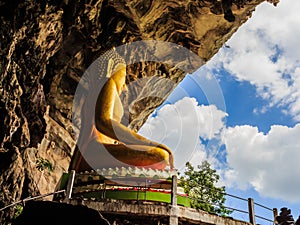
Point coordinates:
[[162, 146], [167, 149]]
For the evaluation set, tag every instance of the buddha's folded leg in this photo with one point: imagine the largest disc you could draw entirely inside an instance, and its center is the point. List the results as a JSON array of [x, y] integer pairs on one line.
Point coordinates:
[[98, 155], [140, 155]]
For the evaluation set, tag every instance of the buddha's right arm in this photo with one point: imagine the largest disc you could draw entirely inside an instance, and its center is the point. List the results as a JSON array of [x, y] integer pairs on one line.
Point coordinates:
[[112, 128]]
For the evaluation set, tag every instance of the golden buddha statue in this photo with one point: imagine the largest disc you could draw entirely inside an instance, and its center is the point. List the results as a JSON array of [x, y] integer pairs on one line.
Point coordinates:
[[111, 144]]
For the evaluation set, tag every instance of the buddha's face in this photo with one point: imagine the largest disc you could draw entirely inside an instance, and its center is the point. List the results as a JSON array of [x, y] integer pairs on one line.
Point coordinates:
[[120, 78]]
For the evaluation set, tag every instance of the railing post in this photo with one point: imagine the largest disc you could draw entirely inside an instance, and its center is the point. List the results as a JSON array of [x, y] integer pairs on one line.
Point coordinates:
[[173, 219], [174, 191], [251, 211], [275, 214], [70, 185]]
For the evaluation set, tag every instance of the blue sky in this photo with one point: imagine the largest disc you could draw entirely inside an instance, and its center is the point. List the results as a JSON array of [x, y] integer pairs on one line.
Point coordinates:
[[241, 112]]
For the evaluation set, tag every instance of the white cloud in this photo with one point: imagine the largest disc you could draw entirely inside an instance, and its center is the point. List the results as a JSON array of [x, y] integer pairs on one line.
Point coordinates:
[[268, 162], [180, 125], [266, 52]]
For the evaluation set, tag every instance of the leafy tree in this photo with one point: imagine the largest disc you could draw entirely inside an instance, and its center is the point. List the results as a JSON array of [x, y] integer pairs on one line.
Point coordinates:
[[200, 186]]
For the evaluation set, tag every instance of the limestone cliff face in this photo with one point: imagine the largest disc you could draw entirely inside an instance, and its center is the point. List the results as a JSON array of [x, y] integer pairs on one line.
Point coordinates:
[[47, 45]]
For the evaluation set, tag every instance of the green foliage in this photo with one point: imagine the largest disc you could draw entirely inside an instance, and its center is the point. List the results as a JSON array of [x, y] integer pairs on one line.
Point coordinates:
[[200, 186], [43, 164], [18, 211]]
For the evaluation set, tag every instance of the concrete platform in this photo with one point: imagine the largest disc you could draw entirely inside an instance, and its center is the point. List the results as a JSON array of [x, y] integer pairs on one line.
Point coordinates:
[[154, 212]]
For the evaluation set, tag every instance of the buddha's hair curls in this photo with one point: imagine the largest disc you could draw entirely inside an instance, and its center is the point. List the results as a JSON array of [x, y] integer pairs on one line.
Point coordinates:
[[110, 62]]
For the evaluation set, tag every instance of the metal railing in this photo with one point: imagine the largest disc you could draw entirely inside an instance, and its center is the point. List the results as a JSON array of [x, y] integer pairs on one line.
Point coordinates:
[[250, 201], [23, 201], [251, 204], [251, 207]]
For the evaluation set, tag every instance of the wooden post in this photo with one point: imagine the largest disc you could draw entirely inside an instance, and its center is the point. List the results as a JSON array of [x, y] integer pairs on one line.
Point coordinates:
[[275, 214], [251, 211], [70, 184], [174, 209]]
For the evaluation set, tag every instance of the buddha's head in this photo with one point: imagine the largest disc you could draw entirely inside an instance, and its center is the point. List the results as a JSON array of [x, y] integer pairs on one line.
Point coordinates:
[[113, 66]]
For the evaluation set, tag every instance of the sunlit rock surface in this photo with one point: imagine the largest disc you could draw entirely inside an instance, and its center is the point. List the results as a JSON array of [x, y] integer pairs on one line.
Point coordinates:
[[47, 45]]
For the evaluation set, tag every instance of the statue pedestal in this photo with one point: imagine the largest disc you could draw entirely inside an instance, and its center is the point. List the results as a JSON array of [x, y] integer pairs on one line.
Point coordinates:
[[124, 177], [125, 184]]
